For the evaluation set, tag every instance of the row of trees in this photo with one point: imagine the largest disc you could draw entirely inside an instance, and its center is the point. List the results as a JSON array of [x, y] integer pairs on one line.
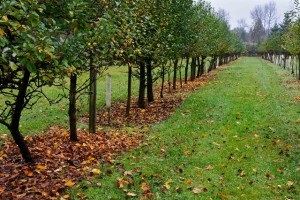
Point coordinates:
[[43, 42], [283, 44]]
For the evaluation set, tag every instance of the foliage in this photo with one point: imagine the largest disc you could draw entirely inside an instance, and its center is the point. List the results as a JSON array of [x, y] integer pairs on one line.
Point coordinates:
[[69, 37]]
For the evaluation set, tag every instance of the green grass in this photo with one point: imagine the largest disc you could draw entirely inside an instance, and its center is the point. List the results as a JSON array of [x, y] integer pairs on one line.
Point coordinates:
[[235, 138]]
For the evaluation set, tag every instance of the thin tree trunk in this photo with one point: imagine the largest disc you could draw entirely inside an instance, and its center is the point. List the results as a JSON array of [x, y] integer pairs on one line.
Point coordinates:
[[93, 98], [150, 95], [162, 81], [129, 84], [169, 80], [284, 61], [72, 107], [299, 67], [193, 69], [15, 120], [175, 74], [292, 63], [186, 70], [142, 86], [180, 74], [202, 65], [198, 67]]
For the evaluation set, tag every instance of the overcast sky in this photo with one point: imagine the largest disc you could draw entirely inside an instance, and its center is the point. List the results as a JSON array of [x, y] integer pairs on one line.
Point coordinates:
[[240, 9]]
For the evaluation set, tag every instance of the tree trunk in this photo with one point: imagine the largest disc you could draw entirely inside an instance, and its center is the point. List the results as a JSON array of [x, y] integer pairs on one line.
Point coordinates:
[[292, 63], [193, 69], [162, 81], [93, 97], [198, 67], [211, 65], [186, 70], [72, 107], [180, 74], [221, 60], [299, 67], [150, 95], [142, 86], [175, 73], [129, 91], [202, 65], [15, 120], [169, 80]]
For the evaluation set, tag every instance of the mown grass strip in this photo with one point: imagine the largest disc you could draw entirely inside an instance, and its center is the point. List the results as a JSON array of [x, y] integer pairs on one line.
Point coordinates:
[[236, 138]]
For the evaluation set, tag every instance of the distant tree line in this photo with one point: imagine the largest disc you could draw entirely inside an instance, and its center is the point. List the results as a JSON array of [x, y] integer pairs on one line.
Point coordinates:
[[282, 46]]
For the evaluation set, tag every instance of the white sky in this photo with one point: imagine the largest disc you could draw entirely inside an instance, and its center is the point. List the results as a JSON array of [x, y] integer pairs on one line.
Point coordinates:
[[240, 9]]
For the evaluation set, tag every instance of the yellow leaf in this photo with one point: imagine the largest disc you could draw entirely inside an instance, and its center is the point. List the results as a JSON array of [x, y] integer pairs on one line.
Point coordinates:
[[167, 184], [209, 167], [49, 53], [130, 194], [96, 171], [197, 191], [290, 183], [65, 197], [41, 167], [28, 172], [69, 183], [145, 187], [2, 32], [4, 17]]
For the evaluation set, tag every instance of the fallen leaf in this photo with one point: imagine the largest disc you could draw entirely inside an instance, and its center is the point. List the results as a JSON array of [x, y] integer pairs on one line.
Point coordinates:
[[99, 184], [197, 191], [167, 184], [41, 167], [130, 194], [96, 171], [290, 183], [188, 182], [209, 167], [28, 172], [69, 183], [145, 187]]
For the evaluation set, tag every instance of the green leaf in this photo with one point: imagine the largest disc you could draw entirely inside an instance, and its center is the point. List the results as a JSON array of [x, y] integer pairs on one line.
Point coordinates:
[[31, 67], [13, 65]]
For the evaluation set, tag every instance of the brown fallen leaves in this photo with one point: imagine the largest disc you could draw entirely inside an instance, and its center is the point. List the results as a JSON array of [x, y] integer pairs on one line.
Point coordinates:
[[60, 164], [154, 112]]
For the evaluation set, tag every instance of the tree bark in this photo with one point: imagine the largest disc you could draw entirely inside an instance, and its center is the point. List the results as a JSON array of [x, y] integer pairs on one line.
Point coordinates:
[[186, 70], [72, 108], [175, 73], [299, 67], [198, 67], [162, 81], [193, 69], [93, 97], [142, 86], [202, 65], [15, 120], [129, 91], [180, 74], [150, 95]]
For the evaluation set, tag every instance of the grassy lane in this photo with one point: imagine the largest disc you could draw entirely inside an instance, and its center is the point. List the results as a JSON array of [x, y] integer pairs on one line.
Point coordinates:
[[235, 138]]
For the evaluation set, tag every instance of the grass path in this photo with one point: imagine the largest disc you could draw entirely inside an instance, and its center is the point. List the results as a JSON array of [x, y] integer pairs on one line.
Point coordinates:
[[235, 138]]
